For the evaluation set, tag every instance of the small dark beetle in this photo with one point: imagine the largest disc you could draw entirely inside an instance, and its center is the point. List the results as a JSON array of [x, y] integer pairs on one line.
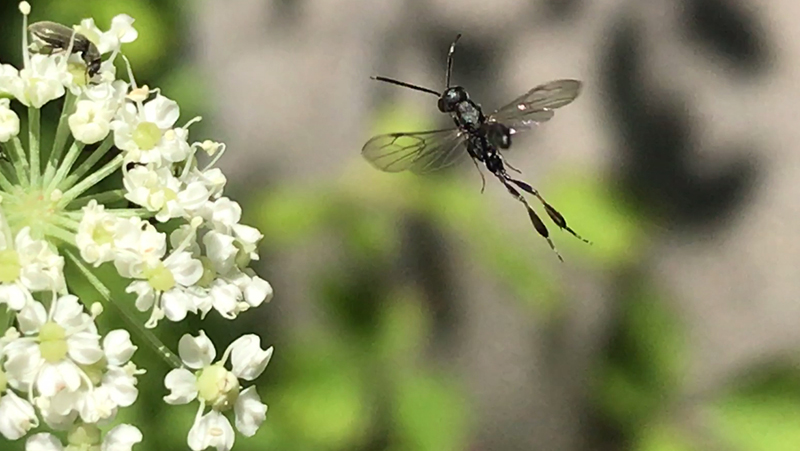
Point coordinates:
[[56, 37]]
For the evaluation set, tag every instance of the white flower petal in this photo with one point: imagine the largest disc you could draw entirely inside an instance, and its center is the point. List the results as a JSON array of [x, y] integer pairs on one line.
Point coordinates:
[[196, 352], [31, 317], [121, 438], [9, 121], [248, 360], [118, 347], [15, 296], [84, 347], [17, 416], [162, 111], [211, 430], [182, 385], [250, 412], [54, 377], [43, 442]]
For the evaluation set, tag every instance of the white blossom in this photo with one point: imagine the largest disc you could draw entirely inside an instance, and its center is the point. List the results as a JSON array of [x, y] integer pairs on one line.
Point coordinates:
[[218, 389], [57, 367], [9, 121], [121, 32], [144, 131], [96, 233], [47, 358], [121, 438], [41, 81], [17, 416], [26, 266]]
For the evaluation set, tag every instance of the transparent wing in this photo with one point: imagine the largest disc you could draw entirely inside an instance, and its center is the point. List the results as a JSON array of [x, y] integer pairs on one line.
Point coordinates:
[[537, 105], [419, 152]]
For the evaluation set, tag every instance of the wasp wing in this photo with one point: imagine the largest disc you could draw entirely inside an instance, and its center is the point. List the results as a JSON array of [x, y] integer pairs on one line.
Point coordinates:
[[419, 152], [537, 105]]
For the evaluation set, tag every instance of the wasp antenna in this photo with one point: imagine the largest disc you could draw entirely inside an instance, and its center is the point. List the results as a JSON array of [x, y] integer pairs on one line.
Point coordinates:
[[405, 85], [450, 61]]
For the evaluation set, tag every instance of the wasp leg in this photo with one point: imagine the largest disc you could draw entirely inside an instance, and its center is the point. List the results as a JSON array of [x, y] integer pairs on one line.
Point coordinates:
[[537, 222], [554, 215], [483, 179], [508, 165]]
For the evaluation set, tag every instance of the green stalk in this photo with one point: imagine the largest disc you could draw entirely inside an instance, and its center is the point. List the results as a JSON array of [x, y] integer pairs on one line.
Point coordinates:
[[101, 198], [60, 141], [89, 163], [161, 349], [90, 181], [34, 147], [17, 156], [66, 165], [4, 182]]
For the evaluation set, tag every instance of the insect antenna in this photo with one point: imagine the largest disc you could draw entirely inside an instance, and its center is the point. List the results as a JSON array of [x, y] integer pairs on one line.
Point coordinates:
[[554, 215], [406, 85], [450, 61], [537, 222]]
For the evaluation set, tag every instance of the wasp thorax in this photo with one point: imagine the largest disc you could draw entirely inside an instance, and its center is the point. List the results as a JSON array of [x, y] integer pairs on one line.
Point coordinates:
[[452, 97]]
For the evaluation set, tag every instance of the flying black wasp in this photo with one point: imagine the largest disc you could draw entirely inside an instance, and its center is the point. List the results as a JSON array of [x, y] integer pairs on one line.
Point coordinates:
[[53, 37], [481, 136]]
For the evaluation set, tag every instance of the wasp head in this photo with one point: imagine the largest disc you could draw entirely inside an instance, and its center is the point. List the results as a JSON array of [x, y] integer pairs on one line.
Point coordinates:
[[452, 97]]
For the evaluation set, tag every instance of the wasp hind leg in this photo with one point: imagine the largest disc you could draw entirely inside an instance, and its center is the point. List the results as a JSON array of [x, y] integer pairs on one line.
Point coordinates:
[[538, 224], [554, 215]]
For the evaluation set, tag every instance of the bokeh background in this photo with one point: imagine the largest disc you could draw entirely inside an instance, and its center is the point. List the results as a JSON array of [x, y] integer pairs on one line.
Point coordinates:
[[415, 313]]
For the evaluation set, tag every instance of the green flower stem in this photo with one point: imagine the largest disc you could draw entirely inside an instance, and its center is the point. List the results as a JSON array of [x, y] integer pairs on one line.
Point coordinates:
[[59, 233], [66, 165], [161, 349], [4, 182], [91, 181], [67, 222], [101, 198], [34, 135], [8, 169], [17, 157], [89, 163], [120, 212], [60, 141]]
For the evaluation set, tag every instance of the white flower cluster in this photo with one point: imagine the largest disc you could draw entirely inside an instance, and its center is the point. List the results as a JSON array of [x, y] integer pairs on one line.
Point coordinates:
[[180, 249]]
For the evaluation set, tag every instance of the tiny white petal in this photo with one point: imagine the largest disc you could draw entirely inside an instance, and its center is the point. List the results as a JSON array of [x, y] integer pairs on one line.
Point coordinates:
[[121, 438], [31, 317], [250, 412], [211, 430], [9, 121], [43, 442], [248, 360], [84, 347], [196, 352], [257, 291], [182, 385], [54, 377], [118, 347], [17, 416]]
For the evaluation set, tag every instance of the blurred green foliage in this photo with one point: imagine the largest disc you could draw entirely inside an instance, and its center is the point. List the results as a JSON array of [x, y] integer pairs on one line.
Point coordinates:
[[360, 380]]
